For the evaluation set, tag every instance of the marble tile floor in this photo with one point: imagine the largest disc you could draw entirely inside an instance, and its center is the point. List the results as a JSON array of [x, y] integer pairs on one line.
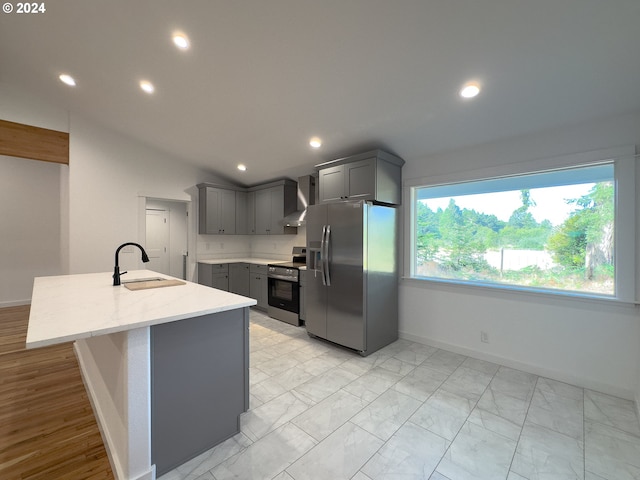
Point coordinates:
[[411, 411]]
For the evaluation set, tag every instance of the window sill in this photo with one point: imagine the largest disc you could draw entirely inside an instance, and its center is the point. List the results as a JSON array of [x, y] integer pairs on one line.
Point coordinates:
[[499, 290]]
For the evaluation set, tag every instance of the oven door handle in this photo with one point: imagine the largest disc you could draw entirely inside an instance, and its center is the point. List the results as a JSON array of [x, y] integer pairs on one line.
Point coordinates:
[[325, 255], [285, 278]]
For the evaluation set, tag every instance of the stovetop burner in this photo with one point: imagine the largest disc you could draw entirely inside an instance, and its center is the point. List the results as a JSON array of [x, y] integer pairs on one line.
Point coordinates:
[[289, 264], [299, 259]]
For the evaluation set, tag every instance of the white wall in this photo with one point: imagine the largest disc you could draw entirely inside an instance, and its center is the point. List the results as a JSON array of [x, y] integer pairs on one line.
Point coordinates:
[[30, 208], [592, 344], [107, 176], [277, 246]]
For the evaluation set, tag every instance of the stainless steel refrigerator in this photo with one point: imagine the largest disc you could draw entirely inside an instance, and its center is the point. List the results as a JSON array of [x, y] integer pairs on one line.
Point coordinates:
[[352, 274]]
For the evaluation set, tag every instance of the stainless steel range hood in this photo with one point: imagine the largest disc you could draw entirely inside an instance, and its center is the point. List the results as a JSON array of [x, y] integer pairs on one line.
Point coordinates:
[[306, 197]]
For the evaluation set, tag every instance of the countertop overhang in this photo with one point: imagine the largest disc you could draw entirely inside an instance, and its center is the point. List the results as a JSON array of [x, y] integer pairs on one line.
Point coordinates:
[[69, 307]]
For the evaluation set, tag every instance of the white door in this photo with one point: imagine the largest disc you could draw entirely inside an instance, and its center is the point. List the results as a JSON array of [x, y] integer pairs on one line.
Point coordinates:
[[157, 244]]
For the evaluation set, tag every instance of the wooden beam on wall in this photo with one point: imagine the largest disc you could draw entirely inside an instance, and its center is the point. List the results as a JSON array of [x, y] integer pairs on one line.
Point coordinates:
[[35, 143]]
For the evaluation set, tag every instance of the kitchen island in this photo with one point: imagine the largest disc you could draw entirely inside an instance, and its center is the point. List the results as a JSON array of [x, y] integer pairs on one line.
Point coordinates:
[[166, 369]]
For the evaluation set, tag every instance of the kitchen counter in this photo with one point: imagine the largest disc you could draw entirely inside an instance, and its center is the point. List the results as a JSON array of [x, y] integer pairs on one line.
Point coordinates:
[[137, 348], [71, 307], [254, 261]]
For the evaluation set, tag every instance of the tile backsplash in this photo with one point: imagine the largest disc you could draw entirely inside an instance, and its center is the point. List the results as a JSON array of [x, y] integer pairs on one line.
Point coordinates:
[[277, 247]]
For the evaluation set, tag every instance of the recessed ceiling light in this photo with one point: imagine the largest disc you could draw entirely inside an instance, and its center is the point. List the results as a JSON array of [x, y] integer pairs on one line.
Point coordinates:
[[470, 90], [181, 41], [68, 79], [315, 142], [242, 167], [147, 86]]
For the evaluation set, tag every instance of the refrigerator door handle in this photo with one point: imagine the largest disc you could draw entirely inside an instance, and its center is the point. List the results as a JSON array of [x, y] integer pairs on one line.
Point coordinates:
[[326, 255], [322, 255]]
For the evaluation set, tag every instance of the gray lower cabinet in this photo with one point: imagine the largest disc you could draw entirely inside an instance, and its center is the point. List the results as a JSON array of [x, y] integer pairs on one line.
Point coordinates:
[[239, 279], [221, 281], [246, 279], [199, 385], [214, 275], [258, 287], [205, 274]]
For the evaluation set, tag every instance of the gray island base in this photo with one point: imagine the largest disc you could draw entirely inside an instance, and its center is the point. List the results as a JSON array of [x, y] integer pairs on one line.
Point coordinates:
[[199, 385]]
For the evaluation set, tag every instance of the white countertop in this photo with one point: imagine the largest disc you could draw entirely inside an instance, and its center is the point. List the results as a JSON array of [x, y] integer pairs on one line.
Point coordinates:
[[69, 307], [255, 261]]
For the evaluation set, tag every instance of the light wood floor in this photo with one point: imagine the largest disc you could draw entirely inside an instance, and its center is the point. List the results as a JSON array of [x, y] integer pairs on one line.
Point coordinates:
[[47, 427]]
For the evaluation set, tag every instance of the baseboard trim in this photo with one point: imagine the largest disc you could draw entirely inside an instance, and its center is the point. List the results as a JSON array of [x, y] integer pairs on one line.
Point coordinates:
[[16, 303], [535, 369], [148, 475]]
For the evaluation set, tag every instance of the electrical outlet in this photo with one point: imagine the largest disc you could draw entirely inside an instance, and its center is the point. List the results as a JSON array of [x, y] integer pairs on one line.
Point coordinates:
[[207, 246], [221, 246], [484, 337]]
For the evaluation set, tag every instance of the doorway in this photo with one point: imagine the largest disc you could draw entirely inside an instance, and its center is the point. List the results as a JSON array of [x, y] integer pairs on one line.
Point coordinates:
[[166, 237]]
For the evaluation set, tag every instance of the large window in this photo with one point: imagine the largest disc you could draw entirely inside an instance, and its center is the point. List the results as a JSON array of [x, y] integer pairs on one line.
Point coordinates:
[[553, 231]]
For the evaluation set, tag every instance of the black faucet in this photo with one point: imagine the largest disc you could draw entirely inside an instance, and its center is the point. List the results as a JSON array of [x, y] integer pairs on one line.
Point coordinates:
[[116, 269]]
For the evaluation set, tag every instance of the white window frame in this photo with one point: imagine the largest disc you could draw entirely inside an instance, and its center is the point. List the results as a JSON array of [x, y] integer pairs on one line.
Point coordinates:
[[623, 159]]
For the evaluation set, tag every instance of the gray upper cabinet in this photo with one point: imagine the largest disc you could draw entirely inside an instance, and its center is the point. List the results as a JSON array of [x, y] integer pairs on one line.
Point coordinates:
[[263, 210], [271, 203], [242, 223], [217, 211], [251, 213], [230, 210], [331, 184], [374, 176]]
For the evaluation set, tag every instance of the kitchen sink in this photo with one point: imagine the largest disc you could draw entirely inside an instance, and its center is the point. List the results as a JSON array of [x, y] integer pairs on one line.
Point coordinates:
[[149, 279], [151, 282]]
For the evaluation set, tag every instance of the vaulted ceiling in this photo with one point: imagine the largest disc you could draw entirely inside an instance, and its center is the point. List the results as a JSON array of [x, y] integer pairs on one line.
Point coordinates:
[[262, 77]]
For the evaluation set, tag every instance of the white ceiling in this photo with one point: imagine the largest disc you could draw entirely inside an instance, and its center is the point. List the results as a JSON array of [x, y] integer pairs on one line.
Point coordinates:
[[262, 77]]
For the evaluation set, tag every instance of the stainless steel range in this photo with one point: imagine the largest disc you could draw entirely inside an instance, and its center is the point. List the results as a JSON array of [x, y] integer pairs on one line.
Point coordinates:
[[284, 288]]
